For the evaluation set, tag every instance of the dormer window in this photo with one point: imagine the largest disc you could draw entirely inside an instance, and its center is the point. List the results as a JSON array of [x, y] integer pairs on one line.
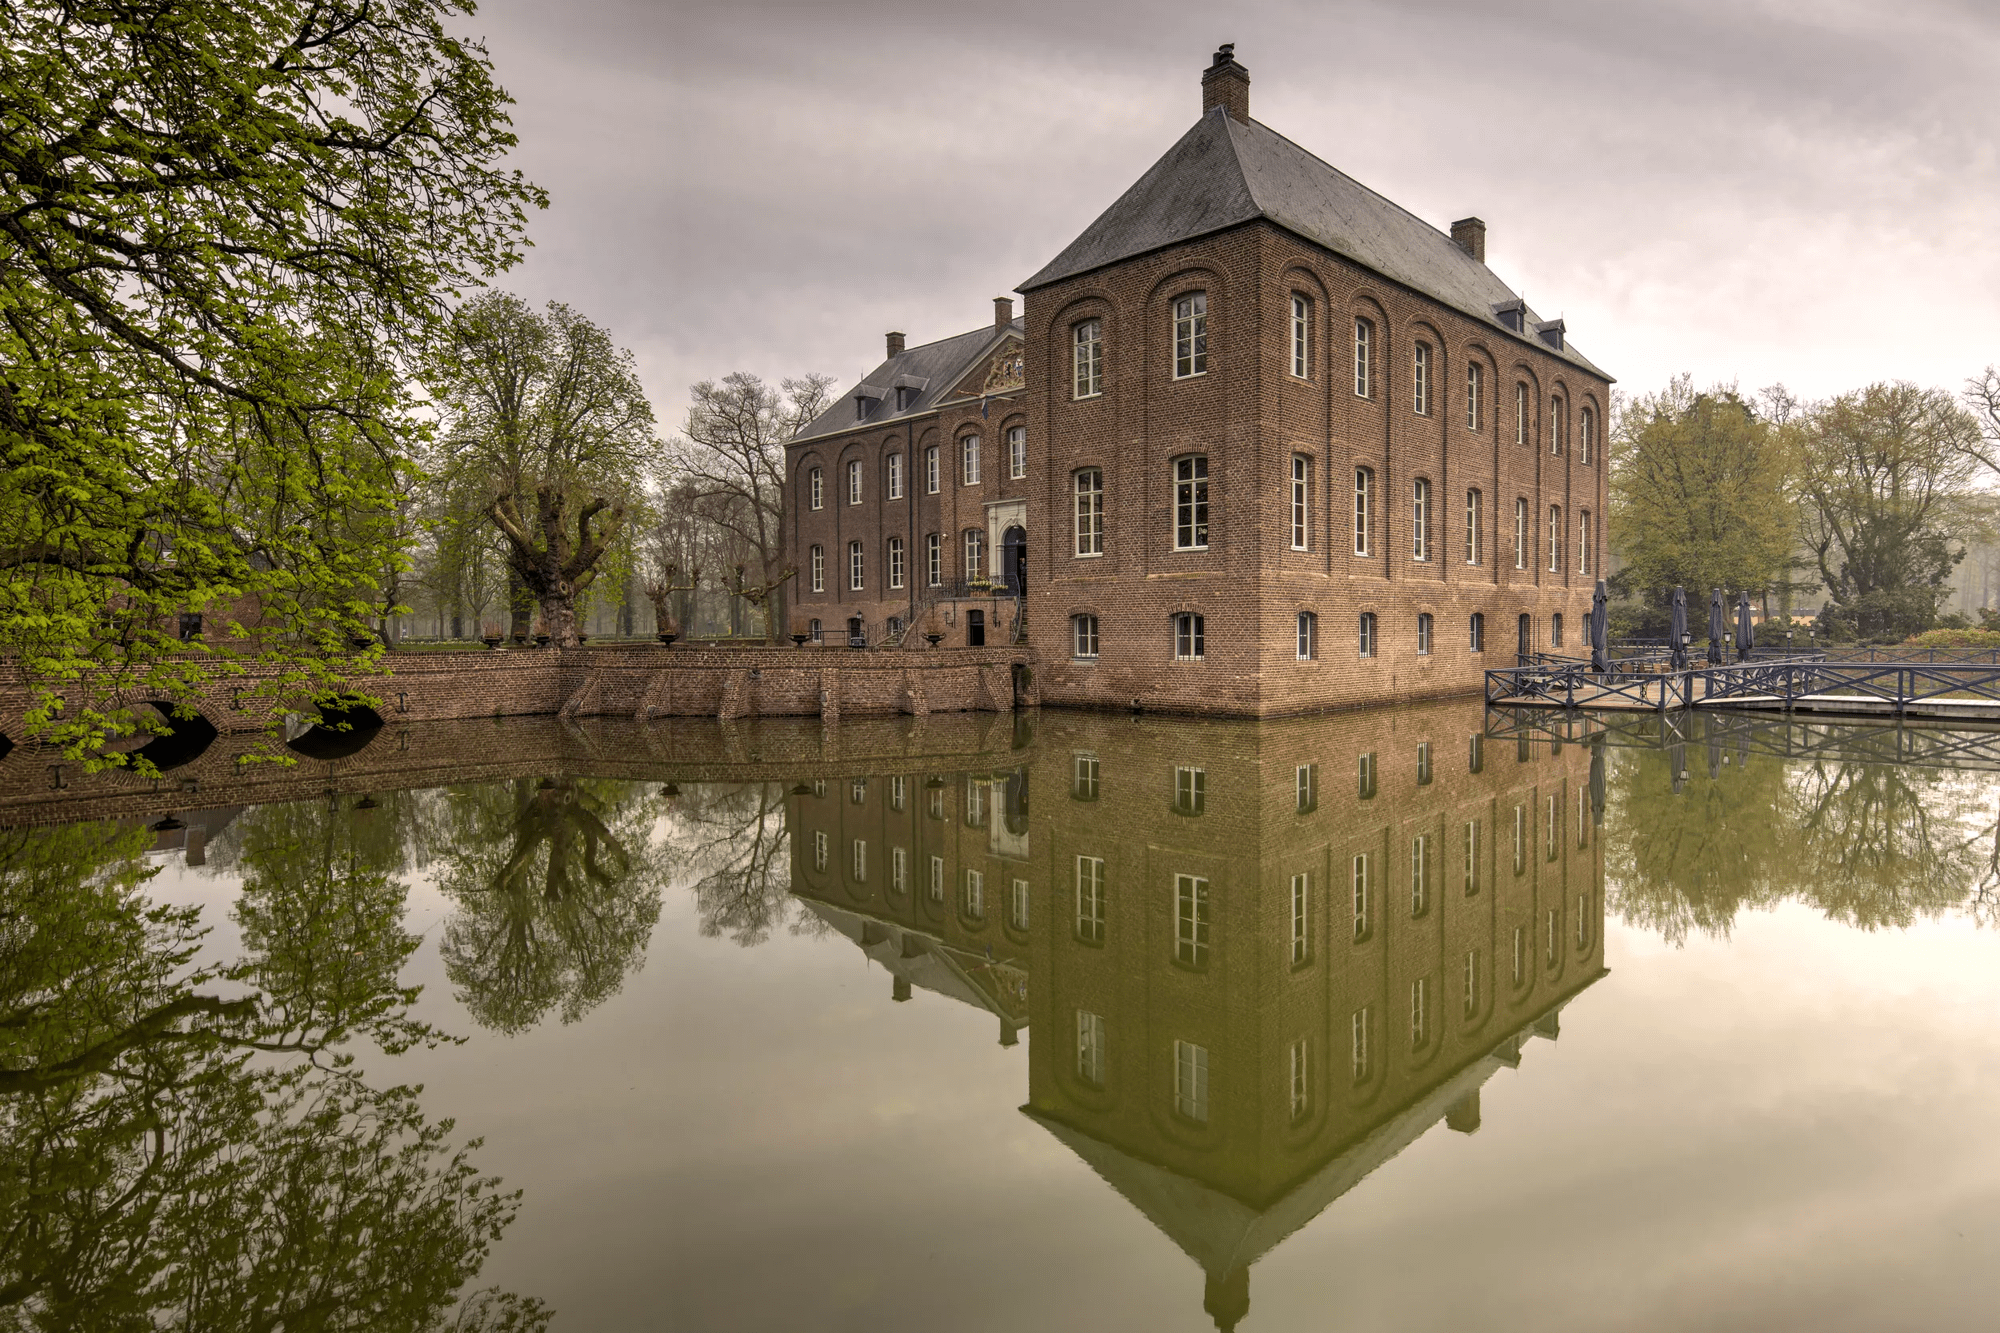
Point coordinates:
[[865, 399], [1551, 332], [1513, 314], [905, 395]]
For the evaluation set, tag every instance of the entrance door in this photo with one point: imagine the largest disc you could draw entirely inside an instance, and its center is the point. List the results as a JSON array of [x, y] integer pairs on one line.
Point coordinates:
[[1014, 558], [975, 629], [857, 637], [1527, 639]]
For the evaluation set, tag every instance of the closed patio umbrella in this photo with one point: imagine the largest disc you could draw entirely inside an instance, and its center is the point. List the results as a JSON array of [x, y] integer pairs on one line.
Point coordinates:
[[1677, 631], [1600, 629], [1716, 632], [1746, 634]]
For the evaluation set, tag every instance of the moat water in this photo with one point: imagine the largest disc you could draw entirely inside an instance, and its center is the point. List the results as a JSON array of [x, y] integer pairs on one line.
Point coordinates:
[[1428, 1018]]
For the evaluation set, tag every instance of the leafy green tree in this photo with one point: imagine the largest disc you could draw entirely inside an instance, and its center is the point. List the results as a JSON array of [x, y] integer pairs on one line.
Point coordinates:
[[547, 421], [225, 228], [1883, 477], [1699, 495], [557, 896]]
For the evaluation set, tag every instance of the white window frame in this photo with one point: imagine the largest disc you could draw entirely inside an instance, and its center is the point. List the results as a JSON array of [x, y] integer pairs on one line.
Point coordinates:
[[1090, 899], [1191, 503], [937, 879], [1087, 359], [1420, 520], [1017, 904], [895, 476], [1420, 380], [1301, 909], [895, 562], [1364, 511], [1520, 532], [1587, 434], [1555, 425], [1555, 539], [1191, 335], [1090, 1047], [975, 553], [1520, 413], [819, 849], [1191, 1081], [1475, 376], [1301, 1082], [1088, 488], [860, 861], [816, 487], [1301, 336], [934, 558], [856, 567], [1420, 874], [1194, 924], [854, 481], [1083, 636], [975, 894], [931, 470], [899, 869], [1364, 354], [1365, 634], [818, 563], [1363, 921], [1473, 503], [968, 447], [1308, 636], [1470, 1004], [1420, 1032], [1476, 632], [1301, 502], [1472, 858], [1358, 1037], [1424, 633], [1017, 452], [1190, 637], [1583, 542]]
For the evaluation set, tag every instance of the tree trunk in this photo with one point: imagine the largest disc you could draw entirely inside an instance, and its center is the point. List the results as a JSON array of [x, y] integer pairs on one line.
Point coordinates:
[[559, 617], [521, 606]]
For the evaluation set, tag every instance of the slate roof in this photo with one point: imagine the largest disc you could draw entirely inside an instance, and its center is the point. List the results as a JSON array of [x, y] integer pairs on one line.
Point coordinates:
[[1224, 172], [940, 365]]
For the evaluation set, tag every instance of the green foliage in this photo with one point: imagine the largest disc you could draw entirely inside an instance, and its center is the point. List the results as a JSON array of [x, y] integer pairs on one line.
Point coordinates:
[[1955, 638], [224, 227], [1698, 495]]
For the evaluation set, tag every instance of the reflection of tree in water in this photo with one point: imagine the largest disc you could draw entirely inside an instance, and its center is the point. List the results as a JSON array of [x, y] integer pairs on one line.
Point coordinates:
[[735, 840], [1871, 844], [181, 1147], [557, 892]]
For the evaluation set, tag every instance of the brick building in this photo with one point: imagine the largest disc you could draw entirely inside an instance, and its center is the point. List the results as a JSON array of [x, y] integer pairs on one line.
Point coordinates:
[[1284, 446]]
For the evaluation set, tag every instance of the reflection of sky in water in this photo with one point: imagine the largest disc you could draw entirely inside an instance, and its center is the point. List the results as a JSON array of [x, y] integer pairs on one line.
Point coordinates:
[[1786, 1126]]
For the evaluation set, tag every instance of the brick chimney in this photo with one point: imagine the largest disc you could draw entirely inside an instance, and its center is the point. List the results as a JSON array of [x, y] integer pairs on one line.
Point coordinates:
[[1003, 311], [1226, 84], [1469, 235], [895, 344]]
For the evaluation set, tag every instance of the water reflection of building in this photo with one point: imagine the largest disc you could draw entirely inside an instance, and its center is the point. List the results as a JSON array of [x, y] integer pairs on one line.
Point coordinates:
[[1259, 959]]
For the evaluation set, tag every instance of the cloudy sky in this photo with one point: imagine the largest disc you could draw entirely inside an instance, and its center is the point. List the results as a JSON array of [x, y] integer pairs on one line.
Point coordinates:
[[1803, 191]]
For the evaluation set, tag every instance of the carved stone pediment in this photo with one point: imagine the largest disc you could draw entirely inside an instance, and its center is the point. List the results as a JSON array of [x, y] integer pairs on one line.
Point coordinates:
[[1007, 370]]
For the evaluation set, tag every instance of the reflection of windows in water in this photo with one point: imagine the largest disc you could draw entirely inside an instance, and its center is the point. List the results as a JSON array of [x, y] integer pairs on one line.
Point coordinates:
[[1420, 1019], [1358, 1037], [1551, 834], [1191, 1080], [1083, 776], [857, 791], [975, 895], [937, 879], [1301, 897], [819, 786], [899, 869], [898, 790], [1191, 923], [1582, 817], [1475, 754], [1472, 983], [1367, 776], [937, 800], [1583, 922], [1520, 838], [1090, 1047], [975, 802], [860, 861], [1361, 897], [1090, 899], [1301, 1094], [1018, 917], [1518, 951], [1420, 874], [1471, 857], [1423, 763], [1307, 782], [1190, 791], [819, 849], [1552, 937]]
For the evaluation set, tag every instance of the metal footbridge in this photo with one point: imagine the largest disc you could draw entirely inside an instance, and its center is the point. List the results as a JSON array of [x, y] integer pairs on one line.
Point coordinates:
[[1963, 690]]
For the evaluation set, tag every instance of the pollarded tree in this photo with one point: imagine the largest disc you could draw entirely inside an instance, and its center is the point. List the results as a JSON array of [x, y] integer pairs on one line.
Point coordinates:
[[225, 225], [1699, 494], [545, 416]]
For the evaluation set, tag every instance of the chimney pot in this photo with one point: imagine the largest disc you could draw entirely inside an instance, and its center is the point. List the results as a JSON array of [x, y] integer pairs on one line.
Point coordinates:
[[1469, 235], [1226, 84], [1003, 311], [895, 344]]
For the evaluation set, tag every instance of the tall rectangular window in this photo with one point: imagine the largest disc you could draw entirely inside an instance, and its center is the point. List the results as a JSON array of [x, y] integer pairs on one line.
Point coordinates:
[[1477, 634], [975, 551], [1367, 634], [1471, 1001], [1519, 950], [1089, 512], [1306, 787], [969, 454], [1017, 905], [934, 559], [931, 470], [1520, 534], [1083, 636], [1366, 773], [1420, 380], [1471, 858], [1301, 1082], [854, 482], [895, 476], [1191, 1080], [975, 895], [1301, 502], [1085, 773], [1475, 375], [1587, 435], [1423, 763], [1090, 899], [1302, 309], [899, 869], [818, 566], [898, 788], [854, 566], [1358, 1043], [1191, 503], [1423, 634], [1472, 503], [937, 879], [1520, 414], [1087, 360], [1189, 637], [816, 488], [1555, 425], [1017, 452], [1583, 541], [1420, 520], [1090, 1047], [1308, 636], [1420, 874], [1364, 359], [819, 849], [895, 562], [1191, 335], [1420, 1017], [1362, 906], [1191, 924], [1301, 901], [1520, 838], [1364, 511], [860, 861], [1555, 539]]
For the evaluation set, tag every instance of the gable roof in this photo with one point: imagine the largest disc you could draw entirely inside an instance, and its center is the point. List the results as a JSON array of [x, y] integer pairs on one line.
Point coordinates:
[[1225, 172], [933, 369]]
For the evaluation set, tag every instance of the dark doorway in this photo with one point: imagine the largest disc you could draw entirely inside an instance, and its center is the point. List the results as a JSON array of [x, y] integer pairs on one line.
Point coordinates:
[[1527, 645], [857, 636], [975, 629], [1014, 558]]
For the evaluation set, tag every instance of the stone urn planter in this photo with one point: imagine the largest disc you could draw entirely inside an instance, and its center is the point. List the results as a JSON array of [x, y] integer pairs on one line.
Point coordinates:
[[799, 640], [934, 639], [582, 638], [491, 640], [542, 640], [667, 637]]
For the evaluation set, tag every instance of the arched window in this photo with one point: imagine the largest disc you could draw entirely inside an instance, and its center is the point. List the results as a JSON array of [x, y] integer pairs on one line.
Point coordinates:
[[1364, 511], [818, 564], [1191, 335], [1420, 520], [1367, 634], [1089, 512], [816, 488], [1308, 636], [1475, 383], [1087, 359], [813, 629], [854, 558], [1556, 630], [1191, 503], [1364, 359]]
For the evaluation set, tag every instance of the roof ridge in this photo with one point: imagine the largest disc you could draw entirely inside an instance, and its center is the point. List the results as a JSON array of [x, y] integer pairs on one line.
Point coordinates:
[[1290, 142]]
